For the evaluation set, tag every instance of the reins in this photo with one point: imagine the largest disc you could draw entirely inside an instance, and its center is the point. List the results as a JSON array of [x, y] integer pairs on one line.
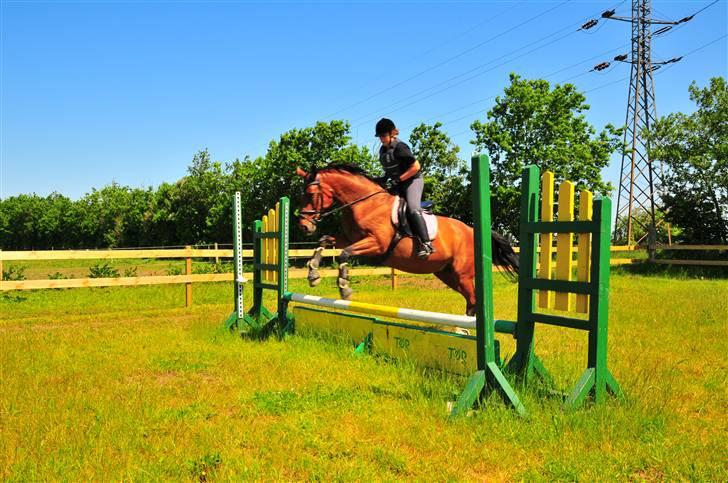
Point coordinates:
[[321, 214]]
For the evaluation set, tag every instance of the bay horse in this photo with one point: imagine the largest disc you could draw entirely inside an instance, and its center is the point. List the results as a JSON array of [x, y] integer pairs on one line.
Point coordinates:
[[367, 230]]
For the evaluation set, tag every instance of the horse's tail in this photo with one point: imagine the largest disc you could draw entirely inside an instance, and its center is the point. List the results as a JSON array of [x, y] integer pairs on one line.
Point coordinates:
[[504, 256]]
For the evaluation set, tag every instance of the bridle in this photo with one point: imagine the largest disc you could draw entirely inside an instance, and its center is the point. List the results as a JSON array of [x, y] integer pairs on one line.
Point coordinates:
[[316, 215]]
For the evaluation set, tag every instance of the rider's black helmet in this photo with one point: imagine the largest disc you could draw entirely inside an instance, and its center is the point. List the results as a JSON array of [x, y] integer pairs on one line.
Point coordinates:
[[384, 126]]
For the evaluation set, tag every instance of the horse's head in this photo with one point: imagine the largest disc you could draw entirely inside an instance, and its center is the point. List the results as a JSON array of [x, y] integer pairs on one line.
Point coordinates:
[[317, 197]]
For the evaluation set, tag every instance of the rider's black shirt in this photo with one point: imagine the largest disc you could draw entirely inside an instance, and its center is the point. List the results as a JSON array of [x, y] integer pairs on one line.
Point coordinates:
[[396, 159]]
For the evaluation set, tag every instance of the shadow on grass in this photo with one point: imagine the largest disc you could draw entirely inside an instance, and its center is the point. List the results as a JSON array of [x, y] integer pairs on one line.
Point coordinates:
[[672, 271]]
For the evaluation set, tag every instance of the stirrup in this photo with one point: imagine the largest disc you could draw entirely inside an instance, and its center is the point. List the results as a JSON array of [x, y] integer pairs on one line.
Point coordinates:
[[425, 249]]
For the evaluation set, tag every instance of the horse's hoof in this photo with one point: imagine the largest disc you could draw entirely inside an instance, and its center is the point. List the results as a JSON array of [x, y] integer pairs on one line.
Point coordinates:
[[345, 290], [313, 278]]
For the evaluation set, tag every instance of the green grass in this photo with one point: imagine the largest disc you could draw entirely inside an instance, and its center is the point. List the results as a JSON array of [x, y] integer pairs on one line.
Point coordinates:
[[125, 383]]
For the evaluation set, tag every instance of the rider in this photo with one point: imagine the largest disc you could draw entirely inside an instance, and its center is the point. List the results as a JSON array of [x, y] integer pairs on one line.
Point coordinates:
[[401, 167]]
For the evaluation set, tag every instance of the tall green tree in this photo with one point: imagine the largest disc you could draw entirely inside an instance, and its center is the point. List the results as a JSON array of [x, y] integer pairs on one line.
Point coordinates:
[[533, 123], [274, 175], [36, 222], [446, 175], [694, 149], [111, 217], [196, 198]]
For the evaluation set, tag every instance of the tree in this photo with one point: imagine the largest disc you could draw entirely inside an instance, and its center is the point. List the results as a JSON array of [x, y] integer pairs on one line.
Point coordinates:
[[194, 210], [34, 222], [198, 198], [535, 124], [446, 175], [112, 216], [694, 150], [274, 175]]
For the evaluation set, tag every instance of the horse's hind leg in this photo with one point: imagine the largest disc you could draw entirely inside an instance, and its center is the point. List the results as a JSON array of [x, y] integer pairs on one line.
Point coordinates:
[[314, 277], [461, 283]]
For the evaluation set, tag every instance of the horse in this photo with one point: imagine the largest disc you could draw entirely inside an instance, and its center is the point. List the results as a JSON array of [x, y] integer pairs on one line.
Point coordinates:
[[367, 230]]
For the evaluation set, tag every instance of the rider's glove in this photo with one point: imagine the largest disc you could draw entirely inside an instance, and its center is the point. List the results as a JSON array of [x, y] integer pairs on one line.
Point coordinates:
[[393, 183]]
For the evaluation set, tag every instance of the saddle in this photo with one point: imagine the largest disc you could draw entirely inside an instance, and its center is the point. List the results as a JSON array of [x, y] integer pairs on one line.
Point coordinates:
[[401, 223]]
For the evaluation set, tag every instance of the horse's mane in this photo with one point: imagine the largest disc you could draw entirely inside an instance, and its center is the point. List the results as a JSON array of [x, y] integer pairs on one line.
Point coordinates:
[[346, 167]]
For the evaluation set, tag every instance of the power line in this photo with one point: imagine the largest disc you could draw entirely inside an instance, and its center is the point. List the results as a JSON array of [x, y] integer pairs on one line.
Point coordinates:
[[562, 81], [438, 46], [470, 71], [705, 7], [449, 59], [464, 80], [494, 95], [466, 116], [602, 86], [378, 112]]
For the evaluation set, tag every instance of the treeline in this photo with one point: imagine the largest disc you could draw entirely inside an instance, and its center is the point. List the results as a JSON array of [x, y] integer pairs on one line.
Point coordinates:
[[532, 122], [195, 210]]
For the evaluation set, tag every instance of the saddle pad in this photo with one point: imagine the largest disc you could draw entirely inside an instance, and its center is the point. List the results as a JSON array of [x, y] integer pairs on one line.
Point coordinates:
[[430, 219]]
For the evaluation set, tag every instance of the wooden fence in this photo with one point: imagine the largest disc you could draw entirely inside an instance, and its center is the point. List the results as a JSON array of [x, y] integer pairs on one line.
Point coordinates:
[[188, 278]]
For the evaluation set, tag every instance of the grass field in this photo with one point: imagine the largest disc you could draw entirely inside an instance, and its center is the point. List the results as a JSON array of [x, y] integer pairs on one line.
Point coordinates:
[[124, 383]]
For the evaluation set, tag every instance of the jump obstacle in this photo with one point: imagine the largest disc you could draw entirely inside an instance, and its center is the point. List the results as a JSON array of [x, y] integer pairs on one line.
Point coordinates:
[[477, 356]]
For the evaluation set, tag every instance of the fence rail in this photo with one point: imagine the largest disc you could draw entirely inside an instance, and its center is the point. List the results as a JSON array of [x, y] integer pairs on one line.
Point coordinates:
[[123, 253], [189, 253]]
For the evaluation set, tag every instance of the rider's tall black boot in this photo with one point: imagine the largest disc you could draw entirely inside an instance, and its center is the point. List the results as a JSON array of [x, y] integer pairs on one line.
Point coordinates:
[[419, 228]]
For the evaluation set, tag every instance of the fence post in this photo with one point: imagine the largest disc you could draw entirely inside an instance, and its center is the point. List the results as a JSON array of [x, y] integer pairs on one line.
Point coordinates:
[[395, 282], [188, 271], [217, 257]]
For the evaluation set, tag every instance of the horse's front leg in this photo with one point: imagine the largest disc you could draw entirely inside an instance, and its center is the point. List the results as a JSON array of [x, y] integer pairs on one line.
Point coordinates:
[[368, 246], [314, 277]]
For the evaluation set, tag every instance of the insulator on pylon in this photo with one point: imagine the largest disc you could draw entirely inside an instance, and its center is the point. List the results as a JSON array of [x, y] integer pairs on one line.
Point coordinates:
[[621, 58], [601, 66], [608, 13], [685, 19], [672, 61], [662, 30], [591, 23]]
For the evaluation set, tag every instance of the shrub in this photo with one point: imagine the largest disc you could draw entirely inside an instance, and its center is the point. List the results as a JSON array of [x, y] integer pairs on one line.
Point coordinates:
[[102, 270], [14, 273]]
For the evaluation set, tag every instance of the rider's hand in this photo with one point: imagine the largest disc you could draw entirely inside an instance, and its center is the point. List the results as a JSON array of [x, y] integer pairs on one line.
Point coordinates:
[[393, 183]]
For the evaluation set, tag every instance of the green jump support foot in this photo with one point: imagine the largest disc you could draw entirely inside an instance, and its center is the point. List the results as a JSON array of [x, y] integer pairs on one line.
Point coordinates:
[[587, 386], [540, 370], [483, 382], [499, 383], [613, 386], [365, 346], [581, 390], [232, 321], [470, 395]]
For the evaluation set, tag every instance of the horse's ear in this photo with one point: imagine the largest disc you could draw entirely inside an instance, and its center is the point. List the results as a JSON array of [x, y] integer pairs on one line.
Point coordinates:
[[301, 172]]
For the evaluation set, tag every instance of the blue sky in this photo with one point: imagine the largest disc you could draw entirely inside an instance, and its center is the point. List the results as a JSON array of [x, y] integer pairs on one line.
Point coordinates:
[[95, 92]]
